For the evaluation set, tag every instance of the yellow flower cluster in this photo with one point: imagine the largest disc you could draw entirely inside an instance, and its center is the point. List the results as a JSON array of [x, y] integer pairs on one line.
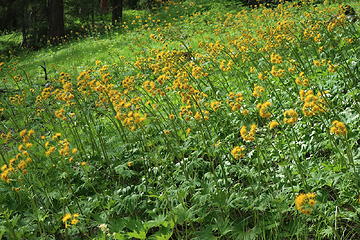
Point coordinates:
[[258, 90], [45, 94], [150, 87], [127, 109], [204, 114], [65, 93], [6, 137], [319, 63], [198, 72], [305, 202], [262, 76], [248, 136], [17, 99], [168, 83], [186, 112], [70, 219], [238, 152], [338, 128], [263, 109], [215, 105], [213, 48], [132, 120], [277, 72], [273, 124], [61, 114], [21, 159], [275, 58], [337, 20], [162, 78], [290, 116], [128, 82], [302, 80], [226, 66], [235, 100], [62, 146], [313, 104]]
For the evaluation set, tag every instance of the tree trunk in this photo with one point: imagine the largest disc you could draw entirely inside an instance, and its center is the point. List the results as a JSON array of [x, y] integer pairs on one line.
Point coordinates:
[[133, 4], [117, 7], [24, 41], [104, 6], [56, 19], [9, 21]]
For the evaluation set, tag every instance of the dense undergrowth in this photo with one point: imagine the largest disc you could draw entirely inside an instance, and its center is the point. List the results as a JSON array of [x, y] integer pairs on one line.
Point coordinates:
[[230, 123]]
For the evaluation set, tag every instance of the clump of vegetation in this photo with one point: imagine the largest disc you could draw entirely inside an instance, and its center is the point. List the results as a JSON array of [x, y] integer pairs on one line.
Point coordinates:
[[229, 123]]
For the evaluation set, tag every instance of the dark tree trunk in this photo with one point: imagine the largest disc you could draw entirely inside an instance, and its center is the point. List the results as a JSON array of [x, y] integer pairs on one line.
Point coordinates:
[[24, 41], [9, 20], [117, 7], [104, 6], [133, 4], [56, 19]]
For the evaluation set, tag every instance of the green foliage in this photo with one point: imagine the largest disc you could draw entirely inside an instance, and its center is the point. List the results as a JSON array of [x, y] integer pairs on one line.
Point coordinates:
[[132, 135]]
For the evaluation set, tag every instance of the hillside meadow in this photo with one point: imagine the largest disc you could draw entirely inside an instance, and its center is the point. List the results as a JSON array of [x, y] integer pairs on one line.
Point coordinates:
[[202, 120]]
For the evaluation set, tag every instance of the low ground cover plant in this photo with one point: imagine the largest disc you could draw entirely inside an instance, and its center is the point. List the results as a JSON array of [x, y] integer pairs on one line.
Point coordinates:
[[233, 123]]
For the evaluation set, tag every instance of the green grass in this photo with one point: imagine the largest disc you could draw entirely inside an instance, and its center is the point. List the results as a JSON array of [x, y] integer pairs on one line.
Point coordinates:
[[78, 54]]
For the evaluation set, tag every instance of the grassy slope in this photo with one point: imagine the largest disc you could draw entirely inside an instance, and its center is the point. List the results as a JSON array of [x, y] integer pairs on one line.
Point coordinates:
[[77, 55]]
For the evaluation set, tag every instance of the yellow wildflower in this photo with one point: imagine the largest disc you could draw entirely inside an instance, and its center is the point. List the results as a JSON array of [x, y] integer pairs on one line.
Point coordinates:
[[258, 90], [277, 72], [302, 80], [65, 219], [275, 58], [273, 124], [28, 145], [56, 136], [313, 104], [73, 218], [166, 132], [290, 116], [226, 66], [245, 112], [263, 109], [31, 132], [198, 72], [338, 128], [50, 151], [248, 136], [23, 132], [237, 152], [305, 202], [215, 105], [262, 76]]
